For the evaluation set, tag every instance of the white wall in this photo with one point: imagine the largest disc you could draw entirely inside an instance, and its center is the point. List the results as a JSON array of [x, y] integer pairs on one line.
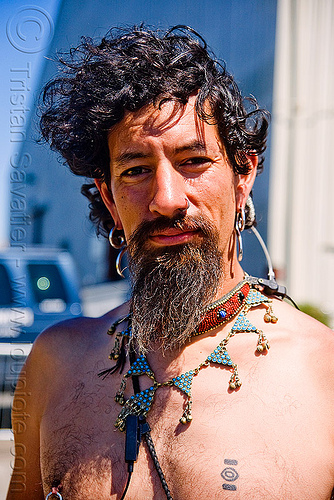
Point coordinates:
[[301, 223]]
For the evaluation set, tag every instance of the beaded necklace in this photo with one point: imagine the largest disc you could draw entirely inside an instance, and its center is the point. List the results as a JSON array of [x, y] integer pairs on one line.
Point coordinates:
[[240, 300]]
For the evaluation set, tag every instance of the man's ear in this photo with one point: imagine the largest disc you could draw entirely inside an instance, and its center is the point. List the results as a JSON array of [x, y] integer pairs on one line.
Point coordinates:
[[108, 200], [244, 182]]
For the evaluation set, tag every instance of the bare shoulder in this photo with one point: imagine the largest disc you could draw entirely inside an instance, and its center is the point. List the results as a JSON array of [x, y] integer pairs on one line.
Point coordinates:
[[307, 336], [300, 323], [59, 351], [75, 335]]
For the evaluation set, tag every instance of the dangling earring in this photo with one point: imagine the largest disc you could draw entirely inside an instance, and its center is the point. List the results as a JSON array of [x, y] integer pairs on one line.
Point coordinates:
[[118, 241], [240, 221]]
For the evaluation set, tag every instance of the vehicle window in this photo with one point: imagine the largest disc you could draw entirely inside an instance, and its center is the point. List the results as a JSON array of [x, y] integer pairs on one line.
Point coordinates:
[[46, 282], [6, 296]]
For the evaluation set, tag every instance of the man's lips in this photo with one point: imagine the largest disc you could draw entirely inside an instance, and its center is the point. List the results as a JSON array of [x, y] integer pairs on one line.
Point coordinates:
[[173, 236]]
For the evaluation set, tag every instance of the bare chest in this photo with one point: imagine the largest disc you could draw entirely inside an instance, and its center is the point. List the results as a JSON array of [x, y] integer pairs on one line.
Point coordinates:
[[258, 442]]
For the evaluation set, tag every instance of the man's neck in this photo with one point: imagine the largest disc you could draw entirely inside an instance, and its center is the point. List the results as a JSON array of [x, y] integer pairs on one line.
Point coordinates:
[[231, 277], [172, 360]]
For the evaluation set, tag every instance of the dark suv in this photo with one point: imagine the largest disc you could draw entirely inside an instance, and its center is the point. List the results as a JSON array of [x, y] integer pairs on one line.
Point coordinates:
[[38, 287]]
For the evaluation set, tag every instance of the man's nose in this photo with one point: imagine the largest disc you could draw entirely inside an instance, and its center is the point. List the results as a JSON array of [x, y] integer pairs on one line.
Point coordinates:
[[169, 192]]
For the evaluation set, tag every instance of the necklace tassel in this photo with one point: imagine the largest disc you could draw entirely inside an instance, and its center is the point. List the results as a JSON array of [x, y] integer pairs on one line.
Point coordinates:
[[187, 416], [235, 381], [262, 343]]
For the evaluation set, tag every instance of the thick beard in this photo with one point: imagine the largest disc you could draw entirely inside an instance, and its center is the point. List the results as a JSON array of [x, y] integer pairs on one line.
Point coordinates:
[[172, 286]]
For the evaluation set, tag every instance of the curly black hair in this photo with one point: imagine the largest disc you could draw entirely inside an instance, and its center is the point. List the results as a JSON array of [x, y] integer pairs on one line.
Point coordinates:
[[128, 69]]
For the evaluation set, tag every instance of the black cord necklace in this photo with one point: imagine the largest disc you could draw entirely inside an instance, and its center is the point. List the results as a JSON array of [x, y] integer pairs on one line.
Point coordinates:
[[142, 429]]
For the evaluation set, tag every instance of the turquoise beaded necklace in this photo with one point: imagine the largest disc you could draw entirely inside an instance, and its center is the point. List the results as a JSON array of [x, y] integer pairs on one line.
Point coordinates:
[[140, 403]]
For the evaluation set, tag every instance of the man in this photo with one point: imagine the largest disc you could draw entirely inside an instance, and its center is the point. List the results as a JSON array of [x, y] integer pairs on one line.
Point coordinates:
[[162, 128]]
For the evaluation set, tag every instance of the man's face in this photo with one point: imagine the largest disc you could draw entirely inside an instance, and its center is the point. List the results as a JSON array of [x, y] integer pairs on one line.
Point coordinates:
[[160, 159], [174, 194]]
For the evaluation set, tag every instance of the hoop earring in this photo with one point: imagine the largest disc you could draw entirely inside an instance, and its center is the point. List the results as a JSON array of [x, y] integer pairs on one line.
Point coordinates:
[[54, 492], [118, 241], [240, 221]]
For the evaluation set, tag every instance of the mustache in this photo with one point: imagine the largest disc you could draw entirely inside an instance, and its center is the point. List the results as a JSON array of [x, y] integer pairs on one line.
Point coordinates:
[[185, 223]]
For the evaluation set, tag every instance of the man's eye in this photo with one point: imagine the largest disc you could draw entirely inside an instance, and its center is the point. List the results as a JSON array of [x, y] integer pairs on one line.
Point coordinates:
[[134, 171], [196, 160]]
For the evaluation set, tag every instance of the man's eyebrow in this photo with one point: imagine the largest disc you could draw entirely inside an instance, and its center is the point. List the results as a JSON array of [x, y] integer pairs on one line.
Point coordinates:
[[136, 155], [128, 156], [191, 146]]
